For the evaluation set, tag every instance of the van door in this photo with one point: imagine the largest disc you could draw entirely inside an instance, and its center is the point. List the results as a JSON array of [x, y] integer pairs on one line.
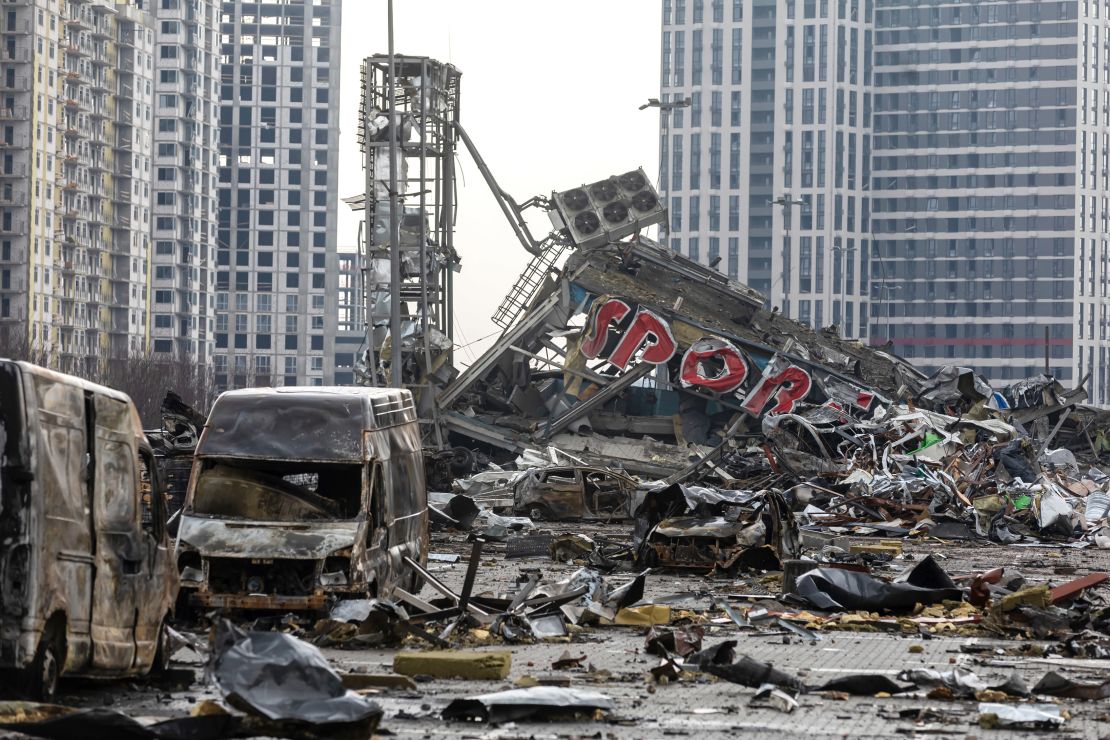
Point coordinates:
[[156, 581], [119, 550], [63, 542]]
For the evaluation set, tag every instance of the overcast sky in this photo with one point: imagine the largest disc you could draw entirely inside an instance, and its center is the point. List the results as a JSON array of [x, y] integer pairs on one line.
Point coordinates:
[[549, 94]]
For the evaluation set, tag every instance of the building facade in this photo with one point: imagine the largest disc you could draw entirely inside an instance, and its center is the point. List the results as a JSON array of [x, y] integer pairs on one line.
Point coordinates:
[[278, 178], [779, 110], [185, 178], [949, 159], [75, 190], [990, 185], [346, 324]]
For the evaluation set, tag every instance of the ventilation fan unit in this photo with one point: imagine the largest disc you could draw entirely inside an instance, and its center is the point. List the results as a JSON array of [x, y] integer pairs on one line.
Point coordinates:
[[610, 209], [580, 216], [647, 208]]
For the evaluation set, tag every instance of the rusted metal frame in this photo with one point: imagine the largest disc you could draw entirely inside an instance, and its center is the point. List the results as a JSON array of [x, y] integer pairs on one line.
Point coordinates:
[[592, 377], [541, 604], [404, 596], [712, 455], [468, 587], [534, 320], [606, 394], [525, 591], [258, 601], [471, 572], [438, 586]]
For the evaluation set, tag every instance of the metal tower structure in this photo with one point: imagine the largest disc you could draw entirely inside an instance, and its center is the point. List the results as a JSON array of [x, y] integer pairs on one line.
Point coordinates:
[[420, 128]]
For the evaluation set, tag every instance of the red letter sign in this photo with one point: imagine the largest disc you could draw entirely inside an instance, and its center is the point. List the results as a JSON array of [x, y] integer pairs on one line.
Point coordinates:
[[788, 383], [693, 371], [597, 330], [647, 329]]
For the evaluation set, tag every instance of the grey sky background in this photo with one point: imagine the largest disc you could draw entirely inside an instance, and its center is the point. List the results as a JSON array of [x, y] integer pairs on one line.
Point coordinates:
[[549, 94]]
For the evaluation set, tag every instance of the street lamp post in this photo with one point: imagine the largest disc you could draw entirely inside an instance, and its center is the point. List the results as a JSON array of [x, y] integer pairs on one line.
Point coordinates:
[[787, 203], [665, 110]]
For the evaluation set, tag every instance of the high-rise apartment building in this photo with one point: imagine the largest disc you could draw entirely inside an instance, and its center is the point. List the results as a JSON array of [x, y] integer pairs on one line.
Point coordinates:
[[990, 185], [75, 170], [779, 105], [185, 178], [276, 236], [951, 160]]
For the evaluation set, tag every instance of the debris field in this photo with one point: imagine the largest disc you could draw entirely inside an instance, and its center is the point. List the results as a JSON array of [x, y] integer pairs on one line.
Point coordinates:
[[653, 507]]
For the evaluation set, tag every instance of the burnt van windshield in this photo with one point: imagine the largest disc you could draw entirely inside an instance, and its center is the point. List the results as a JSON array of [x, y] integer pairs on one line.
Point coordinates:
[[278, 491]]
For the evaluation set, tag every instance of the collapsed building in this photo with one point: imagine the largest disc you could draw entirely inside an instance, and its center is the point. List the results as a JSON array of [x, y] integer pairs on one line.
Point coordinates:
[[636, 356]]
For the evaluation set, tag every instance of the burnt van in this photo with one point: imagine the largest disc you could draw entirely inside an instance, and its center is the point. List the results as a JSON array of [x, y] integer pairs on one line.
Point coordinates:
[[300, 497], [86, 572]]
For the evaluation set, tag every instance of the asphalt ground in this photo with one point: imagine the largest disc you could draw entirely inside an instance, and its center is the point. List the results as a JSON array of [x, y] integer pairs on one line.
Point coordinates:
[[697, 705]]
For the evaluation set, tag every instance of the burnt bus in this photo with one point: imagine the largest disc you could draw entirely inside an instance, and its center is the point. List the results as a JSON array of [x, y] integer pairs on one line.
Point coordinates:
[[299, 497]]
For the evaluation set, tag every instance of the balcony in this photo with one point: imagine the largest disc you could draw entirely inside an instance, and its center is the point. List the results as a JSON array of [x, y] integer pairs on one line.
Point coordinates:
[[13, 112], [16, 170], [15, 55], [17, 83], [11, 227], [19, 27]]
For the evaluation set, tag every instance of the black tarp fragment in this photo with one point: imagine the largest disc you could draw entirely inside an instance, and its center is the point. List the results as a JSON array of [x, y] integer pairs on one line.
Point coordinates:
[[109, 724], [537, 702], [277, 676], [834, 588], [864, 684]]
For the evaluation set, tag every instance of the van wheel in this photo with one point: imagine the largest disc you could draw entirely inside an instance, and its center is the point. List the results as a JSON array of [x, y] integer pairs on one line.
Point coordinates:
[[46, 668]]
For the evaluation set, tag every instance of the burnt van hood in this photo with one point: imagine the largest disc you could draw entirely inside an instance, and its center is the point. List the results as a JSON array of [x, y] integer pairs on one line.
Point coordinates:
[[245, 539]]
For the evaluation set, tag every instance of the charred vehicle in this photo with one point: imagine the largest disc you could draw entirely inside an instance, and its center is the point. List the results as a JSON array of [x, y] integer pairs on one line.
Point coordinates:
[[574, 493], [302, 496], [86, 575], [715, 530]]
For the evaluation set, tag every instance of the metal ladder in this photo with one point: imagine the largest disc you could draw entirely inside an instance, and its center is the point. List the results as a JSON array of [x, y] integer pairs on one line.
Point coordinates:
[[521, 295]]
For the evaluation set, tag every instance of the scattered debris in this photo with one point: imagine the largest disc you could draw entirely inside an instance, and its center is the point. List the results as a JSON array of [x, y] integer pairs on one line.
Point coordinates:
[[539, 702], [280, 678], [467, 664], [1020, 716]]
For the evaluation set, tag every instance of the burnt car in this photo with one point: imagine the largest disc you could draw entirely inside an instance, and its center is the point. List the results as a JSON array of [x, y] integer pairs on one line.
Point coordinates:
[[86, 578], [714, 530], [299, 497], [573, 493]]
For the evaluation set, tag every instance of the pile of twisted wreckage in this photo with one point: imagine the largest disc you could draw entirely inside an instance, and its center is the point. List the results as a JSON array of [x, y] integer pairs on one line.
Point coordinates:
[[639, 384]]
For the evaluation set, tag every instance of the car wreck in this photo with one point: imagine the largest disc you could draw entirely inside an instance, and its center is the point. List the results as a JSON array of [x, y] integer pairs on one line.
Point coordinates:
[[715, 530], [300, 497], [574, 493], [86, 579]]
